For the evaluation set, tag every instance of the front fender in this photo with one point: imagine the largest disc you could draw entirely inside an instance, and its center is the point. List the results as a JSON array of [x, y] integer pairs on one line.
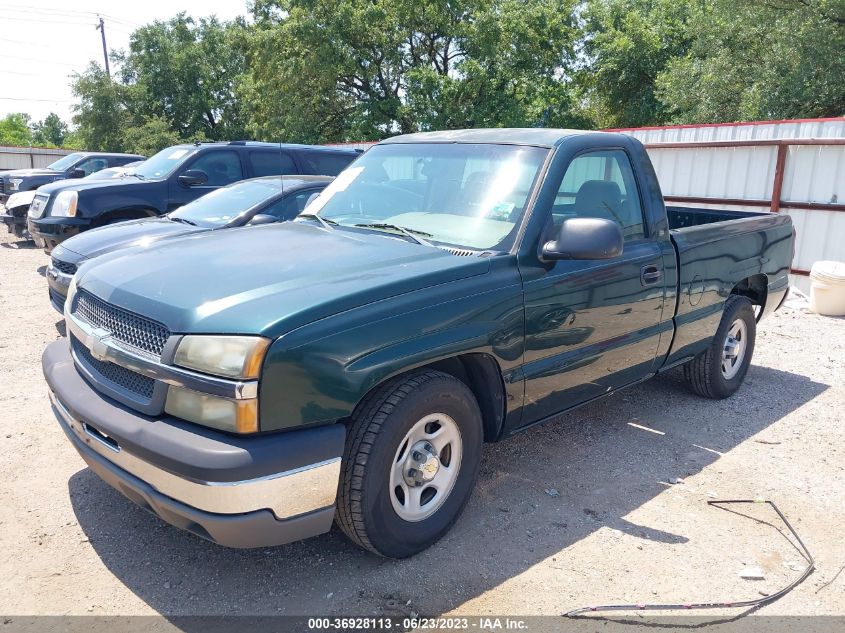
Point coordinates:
[[320, 372]]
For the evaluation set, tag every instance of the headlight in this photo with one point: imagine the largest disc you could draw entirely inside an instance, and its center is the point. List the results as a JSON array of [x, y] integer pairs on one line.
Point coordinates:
[[71, 292], [65, 205], [228, 356], [19, 199], [14, 183], [238, 416]]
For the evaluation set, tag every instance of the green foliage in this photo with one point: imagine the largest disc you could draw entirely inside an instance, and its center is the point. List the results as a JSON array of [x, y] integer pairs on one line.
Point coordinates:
[[151, 136], [318, 71], [50, 132], [323, 69], [774, 60], [14, 130], [101, 116], [628, 43], [184, 72]]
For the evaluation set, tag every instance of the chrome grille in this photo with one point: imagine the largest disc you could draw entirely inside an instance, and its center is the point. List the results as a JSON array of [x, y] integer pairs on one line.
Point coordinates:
[[2, 186], [140, 333], [115, 374], [66, 267]]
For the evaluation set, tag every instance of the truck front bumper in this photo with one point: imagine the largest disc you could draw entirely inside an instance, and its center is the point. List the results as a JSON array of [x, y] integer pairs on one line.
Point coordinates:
[[58, 283], [49, 232], [15, 220], [234, 491]]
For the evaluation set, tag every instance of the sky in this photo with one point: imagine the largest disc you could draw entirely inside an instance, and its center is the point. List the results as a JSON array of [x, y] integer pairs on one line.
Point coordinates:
[[44, 42]]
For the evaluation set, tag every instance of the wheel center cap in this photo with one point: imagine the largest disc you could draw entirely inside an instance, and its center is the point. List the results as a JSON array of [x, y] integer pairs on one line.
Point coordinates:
[[429, 468], [422, 464]]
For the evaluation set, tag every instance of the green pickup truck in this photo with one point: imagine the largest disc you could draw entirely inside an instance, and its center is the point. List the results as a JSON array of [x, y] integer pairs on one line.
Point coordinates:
[[447, 289]]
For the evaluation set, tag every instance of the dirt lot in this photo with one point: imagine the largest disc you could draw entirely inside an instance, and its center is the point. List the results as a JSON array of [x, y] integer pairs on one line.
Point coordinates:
[[576, 512]]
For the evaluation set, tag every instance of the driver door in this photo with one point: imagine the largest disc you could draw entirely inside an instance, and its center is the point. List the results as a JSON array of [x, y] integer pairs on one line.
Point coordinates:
[[593, 326]]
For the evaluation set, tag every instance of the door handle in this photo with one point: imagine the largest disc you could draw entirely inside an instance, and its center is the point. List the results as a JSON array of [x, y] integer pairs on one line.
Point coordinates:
[[650, 275]]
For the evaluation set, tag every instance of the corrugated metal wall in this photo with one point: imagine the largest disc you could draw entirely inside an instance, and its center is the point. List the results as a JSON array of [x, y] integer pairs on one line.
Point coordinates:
[[812, 174], [27, 157]]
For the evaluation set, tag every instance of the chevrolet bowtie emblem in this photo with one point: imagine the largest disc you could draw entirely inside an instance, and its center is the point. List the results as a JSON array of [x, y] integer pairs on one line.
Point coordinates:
[[98, 344]]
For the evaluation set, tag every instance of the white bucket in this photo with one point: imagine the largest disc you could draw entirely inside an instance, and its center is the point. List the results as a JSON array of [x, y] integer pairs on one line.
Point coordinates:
[[827, 288]]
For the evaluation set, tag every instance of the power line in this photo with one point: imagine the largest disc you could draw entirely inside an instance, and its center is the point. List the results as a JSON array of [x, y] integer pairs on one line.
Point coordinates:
[[38, 61], [40, 100], [64, 12]]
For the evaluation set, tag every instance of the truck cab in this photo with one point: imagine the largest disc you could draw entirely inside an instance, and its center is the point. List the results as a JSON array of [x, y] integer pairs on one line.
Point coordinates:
[[448, 289]]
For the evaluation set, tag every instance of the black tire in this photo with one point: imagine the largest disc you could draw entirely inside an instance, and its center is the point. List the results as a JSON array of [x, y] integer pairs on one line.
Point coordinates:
[[704, 372], [364, 509]]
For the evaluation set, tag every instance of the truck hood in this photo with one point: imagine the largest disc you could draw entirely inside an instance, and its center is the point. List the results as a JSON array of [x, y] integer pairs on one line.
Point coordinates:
[[142, 233], [83, 184], [268, 280], [28, 173]]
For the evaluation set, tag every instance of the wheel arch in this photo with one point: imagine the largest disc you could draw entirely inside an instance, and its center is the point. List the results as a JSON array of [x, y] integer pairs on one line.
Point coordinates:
[[135, 212], [755, 288], [481, 373]]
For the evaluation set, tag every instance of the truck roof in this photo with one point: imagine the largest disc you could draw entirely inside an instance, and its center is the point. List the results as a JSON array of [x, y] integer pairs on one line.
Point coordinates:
[[542, 137], [110, 154], [269, 145]]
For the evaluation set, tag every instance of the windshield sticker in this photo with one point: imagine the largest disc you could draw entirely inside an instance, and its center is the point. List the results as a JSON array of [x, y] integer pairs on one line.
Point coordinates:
[[176, 155], [501, 211]]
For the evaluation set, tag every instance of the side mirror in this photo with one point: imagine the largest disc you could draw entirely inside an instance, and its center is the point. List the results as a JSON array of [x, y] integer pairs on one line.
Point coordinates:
[[76, 173], [262, 218], [585, 238], [193, 178]]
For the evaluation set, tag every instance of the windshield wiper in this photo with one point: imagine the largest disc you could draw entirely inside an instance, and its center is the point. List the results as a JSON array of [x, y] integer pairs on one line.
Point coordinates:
[[327, 224], [412, 233], [181, 220]]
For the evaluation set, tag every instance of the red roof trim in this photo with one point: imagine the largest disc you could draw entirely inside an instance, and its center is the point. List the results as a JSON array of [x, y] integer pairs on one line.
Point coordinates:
[[736, 124]]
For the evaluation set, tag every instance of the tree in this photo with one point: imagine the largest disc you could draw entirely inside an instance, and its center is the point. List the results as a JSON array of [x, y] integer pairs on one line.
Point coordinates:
[[14, 130], [773, 60], [50, 131], [101, 116], [329, 70], [627, 44], [184, 72], [151, 136]]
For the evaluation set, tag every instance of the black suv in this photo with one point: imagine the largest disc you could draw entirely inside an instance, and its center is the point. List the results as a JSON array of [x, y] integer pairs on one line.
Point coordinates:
[[76, 165], [171, 178]]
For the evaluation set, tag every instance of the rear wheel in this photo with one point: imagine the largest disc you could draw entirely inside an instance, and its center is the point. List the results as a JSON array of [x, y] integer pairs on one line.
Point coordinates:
[[719, 371], [411, 461]]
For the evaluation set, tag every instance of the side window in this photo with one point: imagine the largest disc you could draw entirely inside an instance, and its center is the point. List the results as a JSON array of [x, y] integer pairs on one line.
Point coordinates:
[[291, 206], [221, 167], [601, 185], [271, 163], [120, 161], [326, 163], [92, 165]]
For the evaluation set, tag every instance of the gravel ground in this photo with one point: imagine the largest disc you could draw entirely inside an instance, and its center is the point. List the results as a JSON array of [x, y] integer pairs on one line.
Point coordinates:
[[585, 510]]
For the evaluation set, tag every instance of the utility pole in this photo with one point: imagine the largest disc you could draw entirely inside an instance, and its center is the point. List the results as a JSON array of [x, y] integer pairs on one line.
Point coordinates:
[[102, 28]]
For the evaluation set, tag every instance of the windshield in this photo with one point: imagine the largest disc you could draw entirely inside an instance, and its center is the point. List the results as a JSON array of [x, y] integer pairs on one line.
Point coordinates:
[[223, 205], [162, 164], [64, 162], [468, 195]]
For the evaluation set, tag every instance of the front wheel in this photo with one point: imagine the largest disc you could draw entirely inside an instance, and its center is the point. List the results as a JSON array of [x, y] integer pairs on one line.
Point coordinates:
[[411, 460], [719, 371]]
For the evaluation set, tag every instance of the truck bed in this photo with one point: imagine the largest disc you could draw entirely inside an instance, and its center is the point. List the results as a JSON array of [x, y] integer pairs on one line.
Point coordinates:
[[683, 217], [715, 249]]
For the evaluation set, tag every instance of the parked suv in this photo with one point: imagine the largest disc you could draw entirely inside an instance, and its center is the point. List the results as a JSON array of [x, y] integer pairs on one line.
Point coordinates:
[[171, 178], [76, 165], [256, 201]]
